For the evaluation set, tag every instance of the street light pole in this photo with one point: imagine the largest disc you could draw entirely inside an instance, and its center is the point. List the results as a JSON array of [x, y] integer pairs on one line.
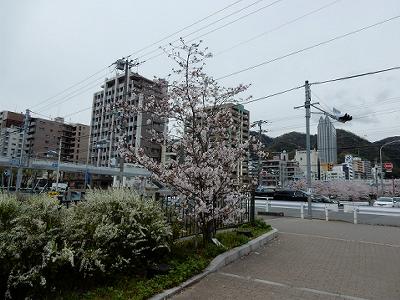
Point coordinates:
[[381, 163]]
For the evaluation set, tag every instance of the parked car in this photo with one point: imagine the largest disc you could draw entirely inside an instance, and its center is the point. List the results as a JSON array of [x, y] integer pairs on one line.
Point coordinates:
[[323, 199], [387, 202], [264, 191]]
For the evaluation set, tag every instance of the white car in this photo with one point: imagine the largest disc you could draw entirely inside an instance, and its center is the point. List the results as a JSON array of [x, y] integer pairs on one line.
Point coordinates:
[[396, 201], [386, 202]]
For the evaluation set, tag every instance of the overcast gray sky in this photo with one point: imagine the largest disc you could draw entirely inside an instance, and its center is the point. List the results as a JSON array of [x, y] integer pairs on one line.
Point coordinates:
[[48, 45]]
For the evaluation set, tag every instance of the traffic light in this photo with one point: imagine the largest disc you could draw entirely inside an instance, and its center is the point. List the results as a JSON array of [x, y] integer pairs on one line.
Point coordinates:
[[330, 166], [345, 118]]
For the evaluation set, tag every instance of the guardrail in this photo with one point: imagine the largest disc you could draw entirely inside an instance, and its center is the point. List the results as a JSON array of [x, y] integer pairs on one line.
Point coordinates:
[[356, 208], [266, 203]]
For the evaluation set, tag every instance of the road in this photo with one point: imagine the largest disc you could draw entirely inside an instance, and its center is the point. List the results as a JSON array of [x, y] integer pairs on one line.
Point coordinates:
[[312, 260]]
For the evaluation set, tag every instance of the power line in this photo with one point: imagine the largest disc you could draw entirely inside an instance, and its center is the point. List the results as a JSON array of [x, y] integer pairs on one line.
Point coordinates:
[[356, 75], [77, 112], [238, 19], [208, 25], [273, 95], [276, 28], [186, 27], [42, 115], [70, 87], [309, 48], [148, 46], [75, 93]]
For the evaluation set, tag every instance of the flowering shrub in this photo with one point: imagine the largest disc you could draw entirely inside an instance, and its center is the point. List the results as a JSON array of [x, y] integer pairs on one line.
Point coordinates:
[[114, 231], [30, 244], [42, 243]]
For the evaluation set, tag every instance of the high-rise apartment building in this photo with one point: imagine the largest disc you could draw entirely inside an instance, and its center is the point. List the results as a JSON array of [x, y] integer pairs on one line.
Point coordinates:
[[327, 144], [241, 122], [103, 135], [11, 134]]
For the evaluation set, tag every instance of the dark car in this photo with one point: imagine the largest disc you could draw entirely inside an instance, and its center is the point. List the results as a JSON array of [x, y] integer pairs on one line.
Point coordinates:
[[290, 195], [323, 199], [264, 192]]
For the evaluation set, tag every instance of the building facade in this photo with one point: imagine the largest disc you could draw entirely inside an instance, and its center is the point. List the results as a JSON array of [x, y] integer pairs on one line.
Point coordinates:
[[336, 173], [326, 140], [241, 121], [11, 134], [301, 157], [43, 139], [279, 171], [103, 132], [348, 167]]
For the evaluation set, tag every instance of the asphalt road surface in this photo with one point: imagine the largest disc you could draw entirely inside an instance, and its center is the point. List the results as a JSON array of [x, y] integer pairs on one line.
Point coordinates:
[[311, 259]]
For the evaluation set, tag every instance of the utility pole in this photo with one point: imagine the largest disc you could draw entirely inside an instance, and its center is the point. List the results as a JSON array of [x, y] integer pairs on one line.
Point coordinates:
[[259, 123], [125, 98], [124, 65], [21, 156], [58, 164], [307, 105]]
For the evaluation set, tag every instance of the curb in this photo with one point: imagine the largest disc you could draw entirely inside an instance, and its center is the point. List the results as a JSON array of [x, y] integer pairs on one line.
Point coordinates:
[[220, 261]]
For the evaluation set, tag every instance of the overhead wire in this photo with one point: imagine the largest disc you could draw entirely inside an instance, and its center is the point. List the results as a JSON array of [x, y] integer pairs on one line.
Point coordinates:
[[356, 75], [75, 93], [184, 28], [309, 48], [211, 31], [148, 46], [68, 88], [276, 28]]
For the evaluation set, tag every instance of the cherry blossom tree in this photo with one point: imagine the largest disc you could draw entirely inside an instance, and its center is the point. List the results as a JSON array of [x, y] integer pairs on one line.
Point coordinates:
[[343, 189], [208, 148]]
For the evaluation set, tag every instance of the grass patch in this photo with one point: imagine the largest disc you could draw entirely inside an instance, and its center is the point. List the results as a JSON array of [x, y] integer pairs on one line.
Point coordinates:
[[187, 258]]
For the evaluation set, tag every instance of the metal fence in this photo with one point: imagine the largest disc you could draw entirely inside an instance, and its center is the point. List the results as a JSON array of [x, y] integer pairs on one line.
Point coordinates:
[[182, 218], [354, 212]]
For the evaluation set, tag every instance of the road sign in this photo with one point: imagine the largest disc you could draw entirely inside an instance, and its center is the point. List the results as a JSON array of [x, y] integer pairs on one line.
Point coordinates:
[[388, 166]]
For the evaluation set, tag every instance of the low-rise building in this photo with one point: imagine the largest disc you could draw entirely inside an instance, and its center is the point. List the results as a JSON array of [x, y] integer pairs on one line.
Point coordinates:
[[301, 157], [336, 173], [279, 171]]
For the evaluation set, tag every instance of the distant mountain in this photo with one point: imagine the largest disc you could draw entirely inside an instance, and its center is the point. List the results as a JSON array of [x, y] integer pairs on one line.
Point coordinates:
[[347, 143], [265, 139]]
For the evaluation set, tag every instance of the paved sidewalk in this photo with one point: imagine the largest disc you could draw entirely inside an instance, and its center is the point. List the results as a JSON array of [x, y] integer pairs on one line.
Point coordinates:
[[312, 260]]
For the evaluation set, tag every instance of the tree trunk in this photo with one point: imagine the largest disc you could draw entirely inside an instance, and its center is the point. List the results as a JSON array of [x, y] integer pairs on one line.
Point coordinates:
[[208, 230]]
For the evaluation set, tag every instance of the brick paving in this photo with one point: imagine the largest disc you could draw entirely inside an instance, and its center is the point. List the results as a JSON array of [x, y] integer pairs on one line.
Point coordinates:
[[312, 260]]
